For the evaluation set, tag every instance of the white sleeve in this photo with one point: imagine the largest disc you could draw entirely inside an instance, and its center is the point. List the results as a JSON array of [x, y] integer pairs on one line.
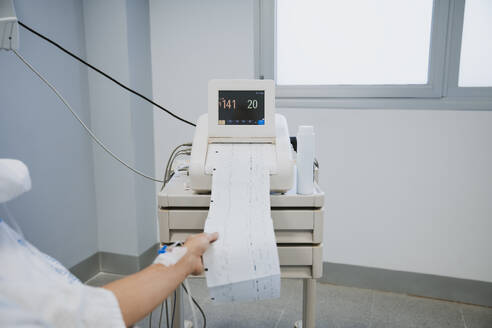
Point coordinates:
[[13, 315], [101, 309], [42, 288], [64, 305]]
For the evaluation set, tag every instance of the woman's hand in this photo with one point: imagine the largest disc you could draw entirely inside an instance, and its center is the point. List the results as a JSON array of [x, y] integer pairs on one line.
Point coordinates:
[[196, 245], [139, 293]]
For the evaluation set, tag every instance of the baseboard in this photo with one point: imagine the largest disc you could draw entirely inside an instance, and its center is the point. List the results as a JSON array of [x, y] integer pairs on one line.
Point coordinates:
[[118, 263], [87, 268], [419, 284], [146, 258], [113, 263]]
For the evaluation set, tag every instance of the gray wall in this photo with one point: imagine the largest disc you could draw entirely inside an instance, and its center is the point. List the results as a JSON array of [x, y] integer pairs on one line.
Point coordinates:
[[59, 214], [142, 119], [126, 204], [82, 201]]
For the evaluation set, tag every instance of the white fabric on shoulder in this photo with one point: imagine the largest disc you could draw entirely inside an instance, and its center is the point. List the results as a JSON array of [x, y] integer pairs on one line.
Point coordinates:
[[14, 179]]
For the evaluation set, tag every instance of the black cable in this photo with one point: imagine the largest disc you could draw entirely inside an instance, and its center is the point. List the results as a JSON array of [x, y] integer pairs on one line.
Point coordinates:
[[167, 315], [198, 306], [103, 74], [174, 309], [160, 316]]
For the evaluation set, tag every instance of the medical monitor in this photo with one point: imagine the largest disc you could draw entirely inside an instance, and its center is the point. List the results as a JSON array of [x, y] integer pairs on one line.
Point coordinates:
[[241, 109]]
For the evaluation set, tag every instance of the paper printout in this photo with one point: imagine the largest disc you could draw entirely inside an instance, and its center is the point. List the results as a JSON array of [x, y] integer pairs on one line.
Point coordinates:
[[243, 263]]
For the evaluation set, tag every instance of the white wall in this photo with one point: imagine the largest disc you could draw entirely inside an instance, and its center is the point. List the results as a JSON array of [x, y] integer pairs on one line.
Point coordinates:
[[58, 215], [191, 43], [405, 190]]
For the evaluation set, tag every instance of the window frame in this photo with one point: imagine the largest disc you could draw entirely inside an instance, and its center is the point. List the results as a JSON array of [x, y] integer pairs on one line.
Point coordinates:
[[440, 92]]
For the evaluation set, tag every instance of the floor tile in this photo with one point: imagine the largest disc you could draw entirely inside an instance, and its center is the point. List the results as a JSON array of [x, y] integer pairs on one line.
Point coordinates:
[[337, 307], [382, 324], [282, 312], [476, 316], [346, 307], [408, 311]]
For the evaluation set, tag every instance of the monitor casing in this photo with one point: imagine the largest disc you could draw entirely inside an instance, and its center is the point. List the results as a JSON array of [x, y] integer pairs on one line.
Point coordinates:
[[275, 131]]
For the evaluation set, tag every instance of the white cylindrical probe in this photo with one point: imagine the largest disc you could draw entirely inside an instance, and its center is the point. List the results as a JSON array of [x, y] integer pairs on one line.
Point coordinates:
[[305, 160]]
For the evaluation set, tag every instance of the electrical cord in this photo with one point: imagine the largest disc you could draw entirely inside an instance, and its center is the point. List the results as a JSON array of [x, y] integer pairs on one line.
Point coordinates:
[[190, 301], [167, 176], [175, 150], [171, 162], [174, 155], [160, 316], [167, 315], [174, 310], [104, 74], [198, 306], [87, 129]]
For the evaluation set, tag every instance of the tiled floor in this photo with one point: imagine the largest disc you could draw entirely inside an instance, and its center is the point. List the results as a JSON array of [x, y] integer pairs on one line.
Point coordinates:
[[337, 307]]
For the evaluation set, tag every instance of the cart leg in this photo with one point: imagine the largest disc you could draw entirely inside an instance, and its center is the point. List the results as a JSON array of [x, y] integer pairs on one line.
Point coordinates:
[[308, 303]]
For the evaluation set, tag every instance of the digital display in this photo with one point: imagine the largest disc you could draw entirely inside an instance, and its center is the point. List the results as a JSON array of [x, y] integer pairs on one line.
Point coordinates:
[[241, 107]]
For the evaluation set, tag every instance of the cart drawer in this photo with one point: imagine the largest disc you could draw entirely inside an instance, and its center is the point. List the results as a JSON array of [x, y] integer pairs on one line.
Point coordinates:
[[299, 261], [291, 226]]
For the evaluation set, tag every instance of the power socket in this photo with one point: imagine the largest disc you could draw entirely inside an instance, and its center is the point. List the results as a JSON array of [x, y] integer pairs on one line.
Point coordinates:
[[9, 27]]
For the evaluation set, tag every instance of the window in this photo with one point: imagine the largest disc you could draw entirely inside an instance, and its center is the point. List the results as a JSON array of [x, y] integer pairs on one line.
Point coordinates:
[[476, 45], [398, 51], [353, 42]]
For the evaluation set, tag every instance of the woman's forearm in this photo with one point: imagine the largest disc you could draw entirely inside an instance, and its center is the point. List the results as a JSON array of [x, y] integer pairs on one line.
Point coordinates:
[[139, 293]]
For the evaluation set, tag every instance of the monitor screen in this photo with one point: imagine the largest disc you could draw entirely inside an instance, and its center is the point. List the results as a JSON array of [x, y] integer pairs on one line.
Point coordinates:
[[241, 107]]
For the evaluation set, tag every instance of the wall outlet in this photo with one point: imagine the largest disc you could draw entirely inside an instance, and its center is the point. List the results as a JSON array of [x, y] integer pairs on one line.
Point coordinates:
[[9, 27]]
